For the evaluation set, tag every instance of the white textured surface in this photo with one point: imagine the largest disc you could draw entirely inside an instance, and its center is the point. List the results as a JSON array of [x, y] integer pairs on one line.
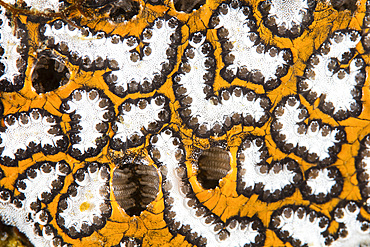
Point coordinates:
[[288, 12], [9, 1], [19, 135], [307, 231], [244, 50], [324, 81], [19, 217], [91, 115], [306, 228], [43, 5], [187, 215], [313, 141], [322, 183], [86, 204], [204, 109], [129, 243], [131, 122], [365, 162], [9, 43], [251, 173], [356, 236], [94, 46], [40, 184]]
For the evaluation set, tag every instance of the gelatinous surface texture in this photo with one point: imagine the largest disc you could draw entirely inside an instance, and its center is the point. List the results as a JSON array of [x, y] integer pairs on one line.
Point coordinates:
[[185, 123]]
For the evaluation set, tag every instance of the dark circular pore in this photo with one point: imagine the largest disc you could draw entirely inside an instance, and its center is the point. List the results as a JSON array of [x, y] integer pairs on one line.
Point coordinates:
[[214, 164], [135, 186]]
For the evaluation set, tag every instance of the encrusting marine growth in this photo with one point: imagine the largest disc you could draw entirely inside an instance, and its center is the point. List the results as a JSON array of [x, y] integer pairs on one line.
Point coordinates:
[[185, 123]]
